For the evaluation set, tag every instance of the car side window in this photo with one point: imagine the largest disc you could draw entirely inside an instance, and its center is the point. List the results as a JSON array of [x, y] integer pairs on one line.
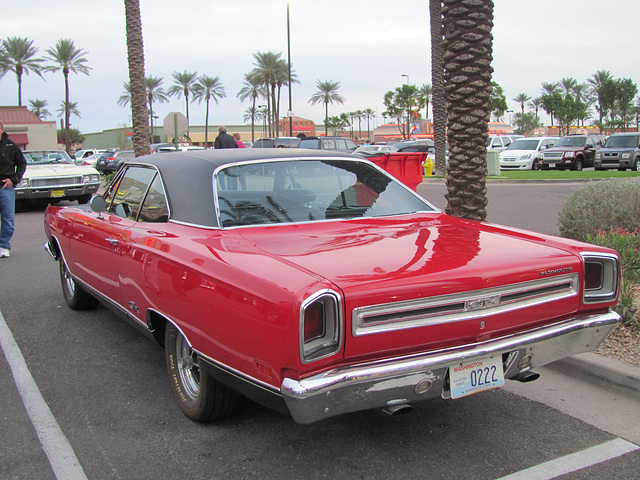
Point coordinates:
[[590, 143], [155, 208], [131, 189]]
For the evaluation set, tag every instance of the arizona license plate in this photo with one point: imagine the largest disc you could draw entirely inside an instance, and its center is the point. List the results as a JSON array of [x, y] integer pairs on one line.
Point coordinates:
[[476, 376], [57, 193]]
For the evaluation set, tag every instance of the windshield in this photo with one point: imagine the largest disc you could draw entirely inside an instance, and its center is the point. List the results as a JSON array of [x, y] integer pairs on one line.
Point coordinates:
[[630, 141], [524, 145], [571, 142], [44, 158], [308, 191]]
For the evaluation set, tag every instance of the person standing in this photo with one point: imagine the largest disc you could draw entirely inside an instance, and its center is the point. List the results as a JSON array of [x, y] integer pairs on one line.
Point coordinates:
[[12, 167], [240, 143], [224, 140]]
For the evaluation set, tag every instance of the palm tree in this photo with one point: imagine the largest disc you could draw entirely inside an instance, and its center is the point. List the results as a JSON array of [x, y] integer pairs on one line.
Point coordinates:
[[155, 93], [369, 114], [38, 108], [271, 71], [18, 55], [535, 104], [207, 88], [521, 98], [137, 87], [71, 107], [438, 100], [252, 88], [327, 93], [426, 92], [600, 83], [568, 84], [550, 88], [183, 85], [67, 59], [468, 92]]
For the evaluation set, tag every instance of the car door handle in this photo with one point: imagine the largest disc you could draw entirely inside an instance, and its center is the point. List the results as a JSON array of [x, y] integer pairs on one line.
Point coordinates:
[[113, 241]]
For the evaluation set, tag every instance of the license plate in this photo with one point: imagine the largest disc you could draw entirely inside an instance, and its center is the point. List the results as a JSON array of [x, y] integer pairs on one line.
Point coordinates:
[[552, 165], [476, 376], [57, 193]]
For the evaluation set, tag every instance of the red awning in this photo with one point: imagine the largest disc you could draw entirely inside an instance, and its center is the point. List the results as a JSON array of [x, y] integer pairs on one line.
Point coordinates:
[[20, 139]]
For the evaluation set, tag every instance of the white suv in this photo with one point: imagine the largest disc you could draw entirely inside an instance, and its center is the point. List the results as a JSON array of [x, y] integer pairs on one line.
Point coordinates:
[[498, 143], [525, 153]]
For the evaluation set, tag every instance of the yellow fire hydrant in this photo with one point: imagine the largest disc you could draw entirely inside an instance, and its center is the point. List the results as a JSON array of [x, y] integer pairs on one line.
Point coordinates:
[[428, 167]]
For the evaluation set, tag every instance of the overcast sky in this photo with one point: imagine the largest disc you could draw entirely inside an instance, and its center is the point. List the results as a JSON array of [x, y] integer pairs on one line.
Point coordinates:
[[366, 45]]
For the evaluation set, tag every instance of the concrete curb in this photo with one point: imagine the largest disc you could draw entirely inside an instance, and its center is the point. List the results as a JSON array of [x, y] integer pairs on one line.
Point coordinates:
[[601, 370]]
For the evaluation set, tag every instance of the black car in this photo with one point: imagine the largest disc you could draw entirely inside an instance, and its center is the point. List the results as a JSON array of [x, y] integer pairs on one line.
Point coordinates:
[[337, 144], [110, 161], [279, 142]]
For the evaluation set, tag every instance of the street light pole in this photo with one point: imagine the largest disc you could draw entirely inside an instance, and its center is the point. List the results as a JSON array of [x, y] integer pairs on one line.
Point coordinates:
[[289, 55]]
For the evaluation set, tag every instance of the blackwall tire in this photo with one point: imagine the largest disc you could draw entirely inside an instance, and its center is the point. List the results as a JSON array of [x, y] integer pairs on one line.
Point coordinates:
[[74, 295], [199, 395]]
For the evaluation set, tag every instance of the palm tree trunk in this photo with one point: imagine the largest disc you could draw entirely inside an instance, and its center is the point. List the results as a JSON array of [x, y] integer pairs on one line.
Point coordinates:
[[206, 125], [467, 74], [437, 79], [67, 114], [135, 56]]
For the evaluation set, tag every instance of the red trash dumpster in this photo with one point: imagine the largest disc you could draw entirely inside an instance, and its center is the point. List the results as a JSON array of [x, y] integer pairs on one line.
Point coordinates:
[[404, 166]]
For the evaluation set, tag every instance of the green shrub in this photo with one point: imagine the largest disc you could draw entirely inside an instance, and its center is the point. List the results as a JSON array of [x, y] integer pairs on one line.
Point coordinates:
[[627, 244], [601, 205]]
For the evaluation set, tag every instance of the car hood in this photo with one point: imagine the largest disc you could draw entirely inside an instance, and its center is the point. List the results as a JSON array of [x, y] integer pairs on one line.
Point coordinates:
[[51, 170], [516, 153], [394, 260], [564, 149]]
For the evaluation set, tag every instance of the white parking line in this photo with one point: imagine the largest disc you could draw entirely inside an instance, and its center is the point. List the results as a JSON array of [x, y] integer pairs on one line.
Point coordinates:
[[61, 456], [576, 461]]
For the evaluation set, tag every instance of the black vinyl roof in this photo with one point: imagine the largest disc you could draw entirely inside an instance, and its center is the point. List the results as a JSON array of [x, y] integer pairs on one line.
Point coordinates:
[[188, 176]]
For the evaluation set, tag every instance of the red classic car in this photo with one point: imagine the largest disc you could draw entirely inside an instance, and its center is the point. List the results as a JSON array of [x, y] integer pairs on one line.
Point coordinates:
[[317, 284]]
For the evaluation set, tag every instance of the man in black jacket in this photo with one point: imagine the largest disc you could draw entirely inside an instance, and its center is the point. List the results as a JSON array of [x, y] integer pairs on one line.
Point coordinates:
[[224, 140], [12, 167]]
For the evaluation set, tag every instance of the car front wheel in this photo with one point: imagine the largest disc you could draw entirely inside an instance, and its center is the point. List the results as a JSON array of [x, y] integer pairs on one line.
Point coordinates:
[[578, 165], [535, 165], [199, 395], [636, 165]]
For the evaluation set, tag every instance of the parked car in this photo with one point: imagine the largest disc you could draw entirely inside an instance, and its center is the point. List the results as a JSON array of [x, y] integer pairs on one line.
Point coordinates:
[[499, 143], [53, 175], [180, 149], [374, 149], [155, 146], [573, 152], [336, 144], [525, 153], [87, 152], [621, 151], [111, 161], [280, 142], [423, 145], [317, 284], [91, 160]]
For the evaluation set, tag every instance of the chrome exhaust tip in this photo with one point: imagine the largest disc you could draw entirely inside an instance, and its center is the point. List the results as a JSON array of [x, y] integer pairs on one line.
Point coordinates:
[[525, 377], [397, 409]]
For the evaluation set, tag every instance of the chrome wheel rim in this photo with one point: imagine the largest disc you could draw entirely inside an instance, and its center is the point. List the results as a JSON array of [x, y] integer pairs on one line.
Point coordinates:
[[188, 368], [70, 284]]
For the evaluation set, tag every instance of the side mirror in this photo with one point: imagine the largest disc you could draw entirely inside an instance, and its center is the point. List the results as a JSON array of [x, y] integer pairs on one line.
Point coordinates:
[[97, 204]]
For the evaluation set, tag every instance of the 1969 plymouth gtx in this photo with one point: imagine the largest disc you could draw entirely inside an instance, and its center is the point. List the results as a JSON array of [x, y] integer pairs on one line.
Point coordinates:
[[317, 284]]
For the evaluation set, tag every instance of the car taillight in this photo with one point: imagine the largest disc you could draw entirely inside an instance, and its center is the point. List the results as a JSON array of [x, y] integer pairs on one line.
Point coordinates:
[[601, 277], [320, 326]]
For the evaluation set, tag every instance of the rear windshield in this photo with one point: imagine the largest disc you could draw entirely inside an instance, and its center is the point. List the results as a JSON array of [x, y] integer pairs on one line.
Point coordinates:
[[309, 191]]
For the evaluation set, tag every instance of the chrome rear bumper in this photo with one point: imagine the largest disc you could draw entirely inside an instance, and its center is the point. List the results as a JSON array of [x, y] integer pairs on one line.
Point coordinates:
[[418, 377]]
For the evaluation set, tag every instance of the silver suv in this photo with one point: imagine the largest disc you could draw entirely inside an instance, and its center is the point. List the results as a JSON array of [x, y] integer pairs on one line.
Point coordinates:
[[621, 151]]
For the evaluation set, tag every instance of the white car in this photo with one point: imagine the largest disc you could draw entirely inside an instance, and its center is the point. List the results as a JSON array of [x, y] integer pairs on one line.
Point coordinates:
[[498, 143], [188, 148], [51, 174], [374, 149], [525, 153]]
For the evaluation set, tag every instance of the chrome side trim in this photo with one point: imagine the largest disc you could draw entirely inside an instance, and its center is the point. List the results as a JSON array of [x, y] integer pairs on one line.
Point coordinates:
[[376, 384], [461, 306]]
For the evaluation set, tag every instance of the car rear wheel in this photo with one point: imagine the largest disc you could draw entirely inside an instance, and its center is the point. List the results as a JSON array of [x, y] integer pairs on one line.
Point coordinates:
[[199, 395], [75, 296]]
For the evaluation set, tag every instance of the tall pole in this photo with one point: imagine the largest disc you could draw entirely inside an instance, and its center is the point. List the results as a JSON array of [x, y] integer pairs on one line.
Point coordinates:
[[289, 55]]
